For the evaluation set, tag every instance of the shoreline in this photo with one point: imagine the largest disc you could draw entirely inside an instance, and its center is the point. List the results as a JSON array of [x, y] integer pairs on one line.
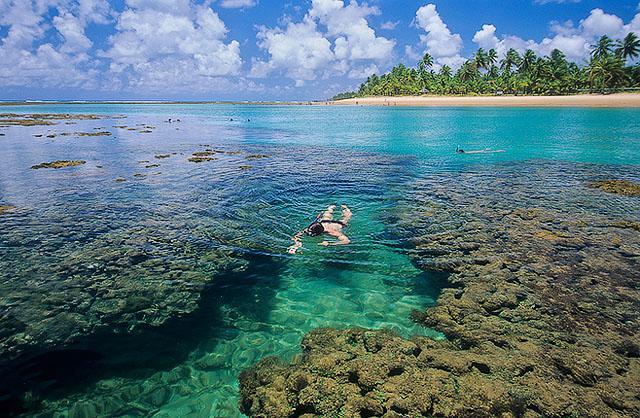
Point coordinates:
[[619, 100]]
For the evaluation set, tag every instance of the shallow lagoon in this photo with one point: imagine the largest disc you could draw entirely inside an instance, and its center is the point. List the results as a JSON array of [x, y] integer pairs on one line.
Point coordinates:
[[177, 223]]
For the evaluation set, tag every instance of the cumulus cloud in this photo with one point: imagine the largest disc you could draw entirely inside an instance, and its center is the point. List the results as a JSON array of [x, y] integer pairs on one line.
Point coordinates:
[[443, 45], [31, 59], [332, 38], [168, 43], [574, 41]]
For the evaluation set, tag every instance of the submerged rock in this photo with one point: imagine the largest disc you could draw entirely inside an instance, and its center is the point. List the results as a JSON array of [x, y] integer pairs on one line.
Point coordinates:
[[540, 318], [162, 156], [6, 208], [622, 187], [256, 156], [59, 164], [100, 133], [201, 159]]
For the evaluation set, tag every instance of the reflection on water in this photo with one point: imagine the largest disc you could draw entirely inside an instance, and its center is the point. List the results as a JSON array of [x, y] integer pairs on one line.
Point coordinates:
[[148, 295]]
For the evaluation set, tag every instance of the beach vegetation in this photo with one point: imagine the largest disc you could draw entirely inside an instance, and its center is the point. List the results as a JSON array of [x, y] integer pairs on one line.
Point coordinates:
[[609, 69]]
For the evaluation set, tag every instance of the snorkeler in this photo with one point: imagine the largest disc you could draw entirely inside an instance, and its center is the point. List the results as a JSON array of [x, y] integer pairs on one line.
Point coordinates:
[[325, 224]]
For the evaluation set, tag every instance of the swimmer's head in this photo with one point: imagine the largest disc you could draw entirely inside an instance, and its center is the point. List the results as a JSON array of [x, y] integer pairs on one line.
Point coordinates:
[[314, 229]]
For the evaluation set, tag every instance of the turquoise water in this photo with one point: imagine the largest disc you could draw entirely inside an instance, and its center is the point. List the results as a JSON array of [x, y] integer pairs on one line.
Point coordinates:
[[179, 353]]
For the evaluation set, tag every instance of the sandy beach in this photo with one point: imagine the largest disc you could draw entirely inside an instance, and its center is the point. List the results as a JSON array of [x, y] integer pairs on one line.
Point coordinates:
[[584, 100]]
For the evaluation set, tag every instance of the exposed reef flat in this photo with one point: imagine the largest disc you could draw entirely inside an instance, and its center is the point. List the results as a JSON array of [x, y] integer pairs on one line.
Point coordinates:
[[44, 119], [59, 164], [542, 316], [623, 187], [80, 134]]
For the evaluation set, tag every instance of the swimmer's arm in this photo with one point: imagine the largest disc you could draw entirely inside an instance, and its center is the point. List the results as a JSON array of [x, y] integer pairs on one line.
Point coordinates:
[[296, 242]]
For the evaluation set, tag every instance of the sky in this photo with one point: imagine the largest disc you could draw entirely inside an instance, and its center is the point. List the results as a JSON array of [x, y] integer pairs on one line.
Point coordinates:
[[270, 49]]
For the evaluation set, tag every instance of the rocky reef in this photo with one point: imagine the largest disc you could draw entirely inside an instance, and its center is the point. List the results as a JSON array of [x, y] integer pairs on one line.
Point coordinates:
[[59, 164], [541, 316], [42, 119], [623, 187], [6, 209], [62, 286]]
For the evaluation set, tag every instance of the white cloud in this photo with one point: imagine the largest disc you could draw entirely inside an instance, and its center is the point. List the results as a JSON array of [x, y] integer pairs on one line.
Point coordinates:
[[300, 50], [600, 23], [303, 51], [486, 37], [171, 43], [444, 46], [72, 30], [31, 59], [237, 4], [389, 25], [556, 1], [574, 41]]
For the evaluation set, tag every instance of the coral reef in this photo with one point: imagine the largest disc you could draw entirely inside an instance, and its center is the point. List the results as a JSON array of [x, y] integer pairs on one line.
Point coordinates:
[[622, 187], [80, 134], [11, 119], [59, 164], [6, 208], [541, 319], [201, 159]]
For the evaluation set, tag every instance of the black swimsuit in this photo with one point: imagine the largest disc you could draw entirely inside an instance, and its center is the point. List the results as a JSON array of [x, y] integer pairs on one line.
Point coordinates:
[[331, 221]]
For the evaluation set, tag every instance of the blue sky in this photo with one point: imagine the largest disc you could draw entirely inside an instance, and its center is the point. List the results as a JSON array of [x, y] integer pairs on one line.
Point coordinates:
[[269, 49]]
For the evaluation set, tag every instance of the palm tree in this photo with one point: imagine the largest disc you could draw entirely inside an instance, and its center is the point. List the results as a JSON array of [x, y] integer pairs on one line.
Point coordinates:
[[629, 47], [603, 48], [492, 57], [426, 61], [510, 60], [528, 59], [468, 71], [481, 59], [607, 72], [445, 71]]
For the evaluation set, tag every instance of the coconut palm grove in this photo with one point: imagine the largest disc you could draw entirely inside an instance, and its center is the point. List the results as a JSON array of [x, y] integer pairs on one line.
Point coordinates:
[[527, 74]]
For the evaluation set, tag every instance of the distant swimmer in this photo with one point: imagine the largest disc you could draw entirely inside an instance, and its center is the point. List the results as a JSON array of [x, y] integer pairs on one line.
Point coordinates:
[[325, 224], [480, 151]]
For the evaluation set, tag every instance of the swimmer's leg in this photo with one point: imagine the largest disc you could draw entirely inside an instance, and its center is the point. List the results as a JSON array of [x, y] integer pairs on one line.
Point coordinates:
[[346, 215], [328, 214]]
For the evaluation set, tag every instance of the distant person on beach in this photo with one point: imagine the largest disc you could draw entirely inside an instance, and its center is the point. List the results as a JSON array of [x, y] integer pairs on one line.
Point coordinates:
[[325, 224]]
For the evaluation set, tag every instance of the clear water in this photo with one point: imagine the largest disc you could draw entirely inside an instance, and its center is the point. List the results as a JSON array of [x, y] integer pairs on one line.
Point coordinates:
[[367, 158]]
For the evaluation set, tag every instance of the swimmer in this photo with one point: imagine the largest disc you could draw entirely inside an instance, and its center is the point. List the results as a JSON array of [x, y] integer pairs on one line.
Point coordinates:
[[325, 224], [459, 150]]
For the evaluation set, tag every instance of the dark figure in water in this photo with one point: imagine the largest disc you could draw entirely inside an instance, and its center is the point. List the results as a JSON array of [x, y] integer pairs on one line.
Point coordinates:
[[324, 224], [459, 150]]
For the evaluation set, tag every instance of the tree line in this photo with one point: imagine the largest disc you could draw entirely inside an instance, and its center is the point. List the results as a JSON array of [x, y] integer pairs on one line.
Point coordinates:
[[526, 74]]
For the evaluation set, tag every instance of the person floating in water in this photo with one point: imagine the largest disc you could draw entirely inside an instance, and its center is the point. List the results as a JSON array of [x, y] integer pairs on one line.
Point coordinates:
[[325, 224], [480, 151]]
